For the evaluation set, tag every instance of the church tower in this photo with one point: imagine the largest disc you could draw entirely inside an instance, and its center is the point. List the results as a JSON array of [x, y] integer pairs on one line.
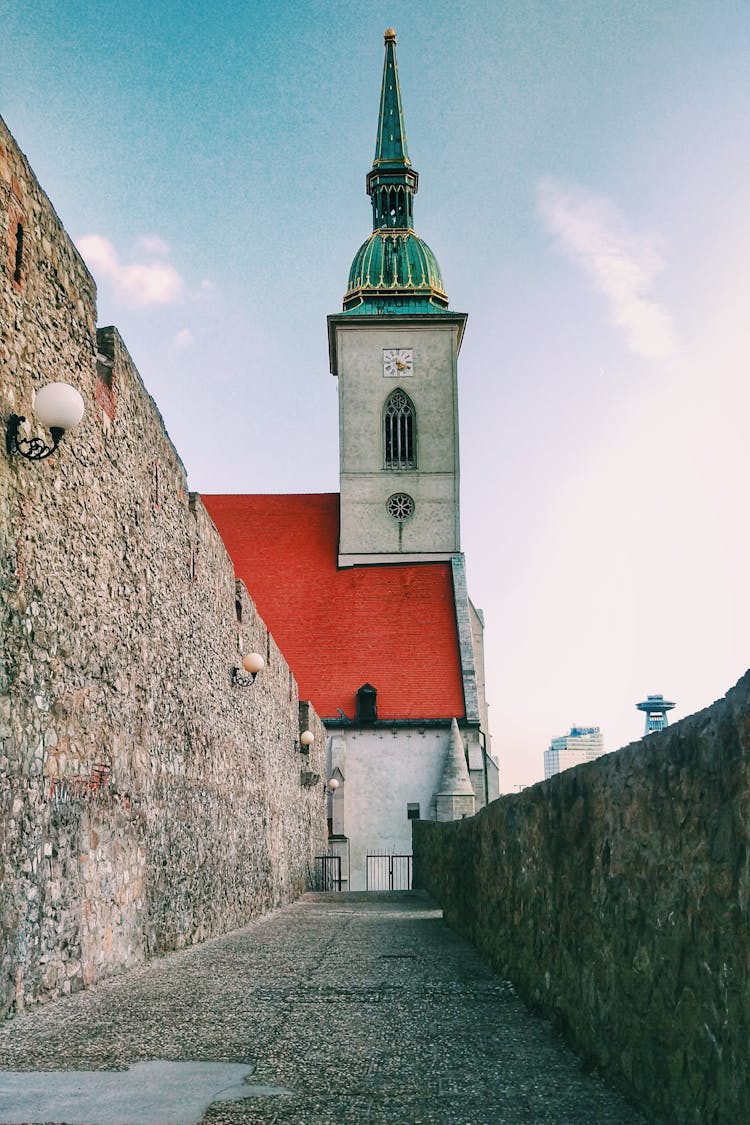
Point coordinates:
[[381, 584], [394, 349]]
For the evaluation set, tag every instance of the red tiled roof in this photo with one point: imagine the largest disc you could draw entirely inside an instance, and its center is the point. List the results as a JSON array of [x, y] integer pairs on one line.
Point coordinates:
[[392, 626]]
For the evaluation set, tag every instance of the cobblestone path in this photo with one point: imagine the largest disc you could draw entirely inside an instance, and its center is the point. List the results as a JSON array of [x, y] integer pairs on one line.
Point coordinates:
[[362, 1008]]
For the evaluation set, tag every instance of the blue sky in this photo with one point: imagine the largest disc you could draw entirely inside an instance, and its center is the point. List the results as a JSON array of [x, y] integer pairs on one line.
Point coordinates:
[[585, 184]]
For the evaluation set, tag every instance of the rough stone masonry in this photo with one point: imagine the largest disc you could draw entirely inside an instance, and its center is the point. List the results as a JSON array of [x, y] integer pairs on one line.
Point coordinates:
[[616, 898], [145, 801]]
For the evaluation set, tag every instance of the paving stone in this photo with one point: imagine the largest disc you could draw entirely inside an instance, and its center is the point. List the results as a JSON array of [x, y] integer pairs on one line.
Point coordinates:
[[365, 1008]]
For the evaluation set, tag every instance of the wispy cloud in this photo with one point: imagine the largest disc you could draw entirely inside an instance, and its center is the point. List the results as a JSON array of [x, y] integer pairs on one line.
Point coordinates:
[[183, 339], [152, 244], [140, 282], [622, 263]]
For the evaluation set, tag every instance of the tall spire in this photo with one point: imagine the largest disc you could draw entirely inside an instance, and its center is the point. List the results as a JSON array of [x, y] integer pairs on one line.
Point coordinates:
[[390, 146], [392, 183], [394, 271]]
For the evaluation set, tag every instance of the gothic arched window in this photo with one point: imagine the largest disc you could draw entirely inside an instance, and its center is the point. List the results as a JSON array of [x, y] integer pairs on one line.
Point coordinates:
[[400, 432]]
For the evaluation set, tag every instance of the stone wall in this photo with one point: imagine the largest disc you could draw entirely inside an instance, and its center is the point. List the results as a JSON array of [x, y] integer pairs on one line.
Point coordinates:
[[615, 897], [145, 801]]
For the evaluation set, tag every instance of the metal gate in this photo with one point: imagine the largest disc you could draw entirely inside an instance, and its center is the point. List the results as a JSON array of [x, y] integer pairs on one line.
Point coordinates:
[[386, 872], [327, 873]]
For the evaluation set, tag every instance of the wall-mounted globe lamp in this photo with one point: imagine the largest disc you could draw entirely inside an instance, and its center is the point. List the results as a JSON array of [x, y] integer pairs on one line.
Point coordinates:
[[59, 407], [331, 786], [251, 665], [306, 740]]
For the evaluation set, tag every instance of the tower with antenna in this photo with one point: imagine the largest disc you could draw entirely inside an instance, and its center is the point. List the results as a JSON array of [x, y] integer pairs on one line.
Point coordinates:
[[655, 707]]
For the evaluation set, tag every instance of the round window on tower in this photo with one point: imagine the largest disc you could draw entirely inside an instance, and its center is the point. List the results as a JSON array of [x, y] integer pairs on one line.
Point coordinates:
[[400, 506]]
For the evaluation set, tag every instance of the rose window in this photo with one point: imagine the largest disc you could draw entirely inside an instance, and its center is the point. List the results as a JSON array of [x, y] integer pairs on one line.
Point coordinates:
[[400, 506]]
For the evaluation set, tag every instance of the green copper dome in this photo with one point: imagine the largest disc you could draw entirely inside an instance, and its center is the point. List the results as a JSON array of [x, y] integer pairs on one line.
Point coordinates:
[[395, 263], [394, 271]]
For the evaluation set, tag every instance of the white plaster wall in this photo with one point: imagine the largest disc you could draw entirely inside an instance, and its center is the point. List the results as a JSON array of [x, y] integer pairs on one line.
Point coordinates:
[[384, 772]]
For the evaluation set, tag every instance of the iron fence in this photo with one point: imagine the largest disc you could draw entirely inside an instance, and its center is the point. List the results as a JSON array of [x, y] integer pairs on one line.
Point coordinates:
[[327, 873], [388, 872]]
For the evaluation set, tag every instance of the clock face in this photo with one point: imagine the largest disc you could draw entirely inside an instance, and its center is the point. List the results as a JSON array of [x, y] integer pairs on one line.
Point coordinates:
[[398, 362]]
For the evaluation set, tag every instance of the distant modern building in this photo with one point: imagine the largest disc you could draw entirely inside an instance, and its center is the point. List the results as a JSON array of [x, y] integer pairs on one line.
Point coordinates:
[[655, 707], [580, 744]]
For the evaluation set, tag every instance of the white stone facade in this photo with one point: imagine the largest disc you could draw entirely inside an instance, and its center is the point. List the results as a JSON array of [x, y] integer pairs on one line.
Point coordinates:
[[384, 774], [368, 533]]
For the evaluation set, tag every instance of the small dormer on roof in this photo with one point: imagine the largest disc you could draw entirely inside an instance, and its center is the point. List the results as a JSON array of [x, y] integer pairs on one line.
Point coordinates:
[[367, 704]]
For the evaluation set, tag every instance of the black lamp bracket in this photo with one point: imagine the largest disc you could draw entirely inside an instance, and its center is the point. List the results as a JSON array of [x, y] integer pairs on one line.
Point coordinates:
[[241, 678], [33, 449]]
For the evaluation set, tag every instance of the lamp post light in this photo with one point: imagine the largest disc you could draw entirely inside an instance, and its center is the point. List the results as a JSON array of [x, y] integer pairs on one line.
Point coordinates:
[[59, 407], [251, 665]]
